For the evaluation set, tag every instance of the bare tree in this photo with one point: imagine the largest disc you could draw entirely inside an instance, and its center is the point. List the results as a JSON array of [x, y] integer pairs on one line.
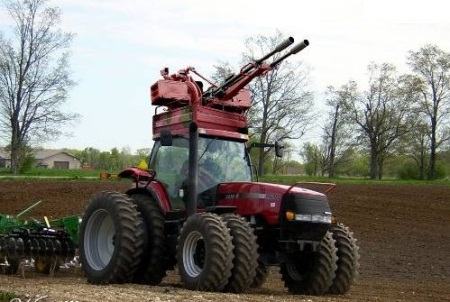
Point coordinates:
[[34, 76], [431, 66], [281, 108], [336, 136], [222, 70], [382, 114]]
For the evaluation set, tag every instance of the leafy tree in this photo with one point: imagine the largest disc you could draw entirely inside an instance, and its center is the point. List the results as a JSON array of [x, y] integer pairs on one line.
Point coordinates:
[[416, 145], [34, 76], [143, 153], [382, 114], [314, 159], [431, 67], [336, 132]]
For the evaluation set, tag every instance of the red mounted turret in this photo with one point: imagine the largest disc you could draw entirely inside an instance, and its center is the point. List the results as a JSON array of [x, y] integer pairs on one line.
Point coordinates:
[[219, 111]]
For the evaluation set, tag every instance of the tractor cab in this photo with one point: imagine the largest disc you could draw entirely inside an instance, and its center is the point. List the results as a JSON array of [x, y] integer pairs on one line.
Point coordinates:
[[219, 160]]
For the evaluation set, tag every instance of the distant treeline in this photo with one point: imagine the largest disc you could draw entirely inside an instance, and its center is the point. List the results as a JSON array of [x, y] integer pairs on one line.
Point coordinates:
[[113, 160]]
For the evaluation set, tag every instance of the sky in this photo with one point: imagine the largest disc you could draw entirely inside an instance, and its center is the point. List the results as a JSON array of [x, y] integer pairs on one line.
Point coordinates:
[[120, 47]]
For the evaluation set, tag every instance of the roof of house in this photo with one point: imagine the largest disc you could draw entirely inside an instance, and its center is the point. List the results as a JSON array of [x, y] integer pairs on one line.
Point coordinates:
[[46, 153], [38, 154]]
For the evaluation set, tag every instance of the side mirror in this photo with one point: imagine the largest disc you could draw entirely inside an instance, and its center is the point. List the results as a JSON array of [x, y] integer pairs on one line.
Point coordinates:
[[279, 150], [166, 137]]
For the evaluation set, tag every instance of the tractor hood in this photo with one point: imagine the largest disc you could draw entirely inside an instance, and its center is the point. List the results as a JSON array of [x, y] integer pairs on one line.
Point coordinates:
[[268, 200]]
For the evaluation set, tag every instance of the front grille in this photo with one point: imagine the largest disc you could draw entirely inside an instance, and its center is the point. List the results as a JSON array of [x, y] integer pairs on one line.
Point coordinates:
[[304, 204], [303, 230]]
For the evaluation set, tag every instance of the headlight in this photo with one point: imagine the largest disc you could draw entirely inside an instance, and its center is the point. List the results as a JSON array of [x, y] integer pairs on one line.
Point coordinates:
[[316, 218], [321, 218], [303, 217]]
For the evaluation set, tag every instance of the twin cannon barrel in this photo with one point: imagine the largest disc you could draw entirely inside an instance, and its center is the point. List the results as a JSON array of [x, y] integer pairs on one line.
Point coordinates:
[[255, 68]]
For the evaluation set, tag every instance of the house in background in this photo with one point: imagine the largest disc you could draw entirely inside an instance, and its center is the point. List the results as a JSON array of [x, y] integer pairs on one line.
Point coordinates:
[[56, 159], [52, 159], [5, 161]]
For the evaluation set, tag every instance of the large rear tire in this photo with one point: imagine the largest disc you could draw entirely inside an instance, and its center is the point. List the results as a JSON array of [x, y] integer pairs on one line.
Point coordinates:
[[153, 266], [205, 253], [111, 239], [348, 257], [311, 273], [245, 253]]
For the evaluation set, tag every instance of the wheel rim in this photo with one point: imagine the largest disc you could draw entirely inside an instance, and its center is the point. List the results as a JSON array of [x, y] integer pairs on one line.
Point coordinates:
[[194, 253], [99, 238]]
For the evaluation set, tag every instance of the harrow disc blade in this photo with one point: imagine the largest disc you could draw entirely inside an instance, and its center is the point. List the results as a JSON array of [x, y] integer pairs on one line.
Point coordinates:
[[20, 247], [50, 247], [35, 247], [11, 249], [58, 247], [28, 248], [2, 247], [42, 247]]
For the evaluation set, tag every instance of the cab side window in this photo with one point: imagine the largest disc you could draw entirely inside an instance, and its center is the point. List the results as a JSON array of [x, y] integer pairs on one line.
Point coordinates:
[[170, 164]]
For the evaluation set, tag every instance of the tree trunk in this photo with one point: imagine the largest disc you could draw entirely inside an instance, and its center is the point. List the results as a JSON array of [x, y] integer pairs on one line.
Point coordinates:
[[261, 156], [333, 144], [262, 140], [380, 168], [432, 168], [422, 168], [15, 153], [422, 159], [373, 164]]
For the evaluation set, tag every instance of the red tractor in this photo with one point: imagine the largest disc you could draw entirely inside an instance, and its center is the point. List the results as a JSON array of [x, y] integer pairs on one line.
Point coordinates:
[[198, 207]]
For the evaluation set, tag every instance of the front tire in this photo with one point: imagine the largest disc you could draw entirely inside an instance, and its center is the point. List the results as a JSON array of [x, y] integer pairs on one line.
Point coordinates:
[[311, 273], [348, 257], [245, 253], [111, 239], [205, 253]]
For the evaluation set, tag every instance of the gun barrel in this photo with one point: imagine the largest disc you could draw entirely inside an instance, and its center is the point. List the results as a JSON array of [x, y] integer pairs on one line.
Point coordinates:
[[297, 48], [282, 46]]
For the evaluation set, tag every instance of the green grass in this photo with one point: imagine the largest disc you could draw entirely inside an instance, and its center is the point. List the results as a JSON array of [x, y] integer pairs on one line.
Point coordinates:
[[58, 174], [291, 179], [41, 172], [7, 296]]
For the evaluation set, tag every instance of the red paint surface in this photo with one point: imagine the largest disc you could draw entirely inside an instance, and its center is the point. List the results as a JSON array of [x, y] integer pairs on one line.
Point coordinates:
[[267, 207]]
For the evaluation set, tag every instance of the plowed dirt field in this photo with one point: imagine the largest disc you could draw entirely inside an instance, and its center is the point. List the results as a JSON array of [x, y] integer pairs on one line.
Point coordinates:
[[403, 233]]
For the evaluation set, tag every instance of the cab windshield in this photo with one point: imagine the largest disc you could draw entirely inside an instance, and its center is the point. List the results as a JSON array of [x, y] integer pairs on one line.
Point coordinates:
[[219, 161]]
